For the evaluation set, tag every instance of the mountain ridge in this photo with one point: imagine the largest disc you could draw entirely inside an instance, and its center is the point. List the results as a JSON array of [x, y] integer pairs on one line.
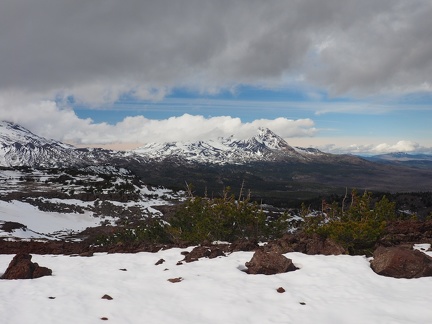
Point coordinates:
[[266, 163], [21, 147], [265, 146]]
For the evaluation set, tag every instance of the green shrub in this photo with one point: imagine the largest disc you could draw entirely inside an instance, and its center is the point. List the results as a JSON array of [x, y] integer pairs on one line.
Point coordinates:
[[357, 225], [223, 219], [152, 230]]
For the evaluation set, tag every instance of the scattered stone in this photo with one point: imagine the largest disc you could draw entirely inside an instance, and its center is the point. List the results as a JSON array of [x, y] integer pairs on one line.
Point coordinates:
[[166, 269], [174, 280], [210, 252], [399, 262], [104, 318], [123, 269], [302, 303], [21, 267], [107, 297], [179, 263], [160, 261], [269, 263], [86, 254], [280, 290], [51, 297]]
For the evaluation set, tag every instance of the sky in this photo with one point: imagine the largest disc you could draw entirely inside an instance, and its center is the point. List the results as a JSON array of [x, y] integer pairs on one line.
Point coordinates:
[[341, 75]]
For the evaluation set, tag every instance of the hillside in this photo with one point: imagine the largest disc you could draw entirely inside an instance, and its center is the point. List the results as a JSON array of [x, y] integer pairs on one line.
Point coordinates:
[[266, 164]]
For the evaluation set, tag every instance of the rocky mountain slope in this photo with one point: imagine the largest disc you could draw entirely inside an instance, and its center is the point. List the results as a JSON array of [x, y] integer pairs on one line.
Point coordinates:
[[266, 164], [265, 146], [20, 147]]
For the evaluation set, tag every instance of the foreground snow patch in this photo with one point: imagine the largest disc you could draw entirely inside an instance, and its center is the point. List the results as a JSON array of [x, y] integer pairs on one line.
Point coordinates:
[[326, 289]]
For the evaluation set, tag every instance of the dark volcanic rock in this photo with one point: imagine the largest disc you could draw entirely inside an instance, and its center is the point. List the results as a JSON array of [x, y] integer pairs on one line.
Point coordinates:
[[160, 261], [210, 252], [406, 231], [244, 245], [21, 267], [11, 226], [107, 297], [308, 244], [269, 263], [399, 262]]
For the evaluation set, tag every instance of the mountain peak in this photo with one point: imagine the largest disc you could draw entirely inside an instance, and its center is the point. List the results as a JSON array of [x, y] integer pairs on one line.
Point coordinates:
[[271, 140], [265, 146], [19, 146]]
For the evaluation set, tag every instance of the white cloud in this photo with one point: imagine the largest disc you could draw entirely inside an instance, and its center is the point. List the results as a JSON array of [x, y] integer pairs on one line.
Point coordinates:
[[100, 50], [401, 146], [49, 120], [375, 149]]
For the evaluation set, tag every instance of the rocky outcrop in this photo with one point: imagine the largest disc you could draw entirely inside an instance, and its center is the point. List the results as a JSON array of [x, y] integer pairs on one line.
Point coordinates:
[[398, 262], [243, 245], [269, 263], [406, 232], [21, 267], [308, 244], [210, 252]]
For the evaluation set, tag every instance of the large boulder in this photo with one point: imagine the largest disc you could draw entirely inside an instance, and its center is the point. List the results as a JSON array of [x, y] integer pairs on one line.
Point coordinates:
[[398, 262], [269, 263], [21, 267]]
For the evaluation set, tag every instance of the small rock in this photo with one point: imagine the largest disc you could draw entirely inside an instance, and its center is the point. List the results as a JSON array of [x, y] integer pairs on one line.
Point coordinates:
[[179, 263], [302, 303], [160, 261], [107, 297], [51, 297], [174, 280], [104, 318], [280, 290]]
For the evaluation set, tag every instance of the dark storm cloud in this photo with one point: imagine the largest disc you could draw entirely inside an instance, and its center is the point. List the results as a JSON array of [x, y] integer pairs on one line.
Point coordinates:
[[343, 46]]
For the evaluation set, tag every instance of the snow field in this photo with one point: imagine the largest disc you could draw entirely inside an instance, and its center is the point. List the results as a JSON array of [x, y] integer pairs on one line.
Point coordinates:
[[334, 289]]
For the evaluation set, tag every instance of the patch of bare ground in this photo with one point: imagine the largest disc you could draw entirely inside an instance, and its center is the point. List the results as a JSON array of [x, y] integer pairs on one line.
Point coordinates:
[[397, 233]]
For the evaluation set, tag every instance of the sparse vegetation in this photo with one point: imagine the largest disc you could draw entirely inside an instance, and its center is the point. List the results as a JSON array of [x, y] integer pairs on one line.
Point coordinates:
[[226, 218], [357, 223], [201, 219]]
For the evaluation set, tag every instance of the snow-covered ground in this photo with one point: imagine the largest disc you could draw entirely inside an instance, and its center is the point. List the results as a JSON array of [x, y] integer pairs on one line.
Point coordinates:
[[69, 215], [43, 225], [326, 289]]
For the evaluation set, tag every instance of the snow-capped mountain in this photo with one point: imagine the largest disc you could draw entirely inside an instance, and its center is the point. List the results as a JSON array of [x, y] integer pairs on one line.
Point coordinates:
[[20, 147], [265, 146]]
